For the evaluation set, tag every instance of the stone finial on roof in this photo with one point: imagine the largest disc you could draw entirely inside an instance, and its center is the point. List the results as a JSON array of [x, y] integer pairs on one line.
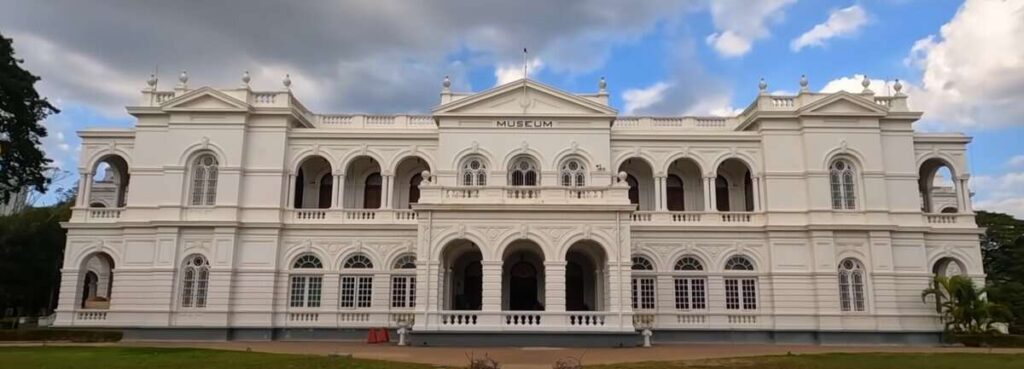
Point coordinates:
[[803, 83], [602, 85], [898, 87], [245, 79], [762, 86], [183, 79], [287, 81], [446, 84], [866, 83], [151, 82]]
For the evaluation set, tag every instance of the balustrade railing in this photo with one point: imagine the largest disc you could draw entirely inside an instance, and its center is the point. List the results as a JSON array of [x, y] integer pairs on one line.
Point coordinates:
[[353, 216]]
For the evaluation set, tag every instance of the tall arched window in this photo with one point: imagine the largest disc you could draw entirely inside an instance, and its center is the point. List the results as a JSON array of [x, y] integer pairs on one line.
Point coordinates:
[[741, 290], [690, 284], [851, 285], [473, 172], [371, 191], [573, 173], [523, 172], [674, 197], [643, 283], [307, 282], [722, 194], [326, 187], [356, 286], [403, 282], [204, 180], [841, 177], [195, 279]]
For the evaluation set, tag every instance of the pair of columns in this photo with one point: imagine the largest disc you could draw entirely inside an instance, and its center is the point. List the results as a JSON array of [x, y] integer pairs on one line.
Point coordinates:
[[338, 190], [710, 193]]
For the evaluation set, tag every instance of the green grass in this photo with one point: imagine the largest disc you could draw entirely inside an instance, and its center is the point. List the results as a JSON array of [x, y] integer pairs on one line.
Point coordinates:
[[843, 361], [168, 358]]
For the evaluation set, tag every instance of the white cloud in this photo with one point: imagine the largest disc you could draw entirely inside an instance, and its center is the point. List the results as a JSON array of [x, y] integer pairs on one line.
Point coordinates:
[[639, 98], [973, 71], [1016, 162], [738, 23], [506, 73], [854, 84], [1003, 193], [842, 22]]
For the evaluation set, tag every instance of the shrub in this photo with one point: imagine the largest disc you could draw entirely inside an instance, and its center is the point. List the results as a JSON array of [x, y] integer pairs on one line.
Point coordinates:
[[988, 340], [73, 335]]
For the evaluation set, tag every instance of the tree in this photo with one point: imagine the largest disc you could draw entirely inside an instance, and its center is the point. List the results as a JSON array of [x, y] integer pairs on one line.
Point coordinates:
[[22, 162], [963, 306], [31, 250], [1002, 249]]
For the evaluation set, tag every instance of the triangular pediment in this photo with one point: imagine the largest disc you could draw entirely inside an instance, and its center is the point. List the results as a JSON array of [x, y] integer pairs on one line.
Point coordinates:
[[843, 103], [524, 97], [205, 99]]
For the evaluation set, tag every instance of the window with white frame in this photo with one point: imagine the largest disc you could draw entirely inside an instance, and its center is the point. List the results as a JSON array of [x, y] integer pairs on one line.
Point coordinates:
[[403, 286], [306, 282], [841, 178], [690, 289], [473, 172], [740, 291], [573, 173], [356, 290], [204, 181], [195, 279], [643, 283], [851, 285], [523, 172]]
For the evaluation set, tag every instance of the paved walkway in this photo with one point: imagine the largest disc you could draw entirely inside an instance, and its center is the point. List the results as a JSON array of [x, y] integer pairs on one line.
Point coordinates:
[[543, 357]]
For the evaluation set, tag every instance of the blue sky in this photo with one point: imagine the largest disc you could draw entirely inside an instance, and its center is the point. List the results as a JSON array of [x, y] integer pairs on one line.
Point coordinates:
[[962, 62]]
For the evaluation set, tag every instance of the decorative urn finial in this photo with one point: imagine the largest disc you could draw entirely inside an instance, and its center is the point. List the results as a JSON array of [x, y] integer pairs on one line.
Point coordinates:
[[245, 78], [287, 81], [446, 83], [151, 82], [762, 86], [602, 84], [803, 83], [183, 78], [898, 87], [866, 83]]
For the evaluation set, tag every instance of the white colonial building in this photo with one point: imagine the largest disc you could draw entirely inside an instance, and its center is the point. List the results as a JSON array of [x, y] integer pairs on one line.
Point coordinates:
[[520, 209]]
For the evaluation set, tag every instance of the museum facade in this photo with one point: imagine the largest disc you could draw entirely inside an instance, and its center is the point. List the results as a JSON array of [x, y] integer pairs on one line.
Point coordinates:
[[240, 214]]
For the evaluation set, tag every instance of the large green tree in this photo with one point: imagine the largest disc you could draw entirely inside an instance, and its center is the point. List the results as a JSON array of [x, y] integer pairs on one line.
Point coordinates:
[[22, 163], [1002, 248], [31, 250]]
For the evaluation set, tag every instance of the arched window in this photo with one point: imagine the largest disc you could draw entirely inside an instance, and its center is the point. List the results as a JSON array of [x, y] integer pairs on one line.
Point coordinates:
[[573, 173], [414, 188], [740, 292], [674, 196], [851, 285], [195, 279], [643, 286], [721, 193], [306, 282], [948, 267], [326, 187], [473, 172], [690, 289], [204, 180], [371, 191], [634, 190], [403, 282], [841, 177], [523, 172], [356, 289]]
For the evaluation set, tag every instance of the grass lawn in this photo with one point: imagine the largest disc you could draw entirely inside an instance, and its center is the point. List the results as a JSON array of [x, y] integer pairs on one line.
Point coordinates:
[[174, 358], [844, 361], [161, 358]]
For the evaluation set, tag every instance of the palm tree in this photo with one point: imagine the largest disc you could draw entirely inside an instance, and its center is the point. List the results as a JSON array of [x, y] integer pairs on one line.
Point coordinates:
[[963, 306]]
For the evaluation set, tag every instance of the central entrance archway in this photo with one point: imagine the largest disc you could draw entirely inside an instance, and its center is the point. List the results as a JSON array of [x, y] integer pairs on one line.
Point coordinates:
[[523, 276], [463, 276]]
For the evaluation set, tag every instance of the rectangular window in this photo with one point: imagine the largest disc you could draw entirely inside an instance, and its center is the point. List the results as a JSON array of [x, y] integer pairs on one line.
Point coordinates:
[[741, 294], [356, 291], [298, 291], [305, 291], [201, 286], [403, 292], [643, 293], [690, 294]]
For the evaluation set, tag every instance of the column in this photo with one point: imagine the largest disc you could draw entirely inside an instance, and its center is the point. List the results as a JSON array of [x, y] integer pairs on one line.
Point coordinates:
[[290, 196], [335, 190], [385, 191], [339, 201], [554, 286], [963, 194], [659, 193], [87, 193], [491, 294], [83, 199], [709, 194], [757, 193]]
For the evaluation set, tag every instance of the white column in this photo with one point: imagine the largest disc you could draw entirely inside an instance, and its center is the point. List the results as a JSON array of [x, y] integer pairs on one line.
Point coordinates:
[[491, 294], [659, 193], [554, 286], [290, 198], [83, 189], [385, 193], [756, 191], [335, 190], [340, 199], [709, 194], [963, 196]]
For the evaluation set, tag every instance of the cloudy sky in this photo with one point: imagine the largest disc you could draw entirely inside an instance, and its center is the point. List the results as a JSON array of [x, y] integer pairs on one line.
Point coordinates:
[[962, 61]]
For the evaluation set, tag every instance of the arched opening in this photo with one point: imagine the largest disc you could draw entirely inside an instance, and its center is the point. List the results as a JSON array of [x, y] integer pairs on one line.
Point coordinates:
[[684, 188], [572, 172], [473, 171], [523, 171], [937, 186], [463, 275], [109, 183], [523, 276], [408, 176], [363, 184], [640, 178], [585, 272], [314, 184], [948, 267], [734, 187], [97, 281]]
